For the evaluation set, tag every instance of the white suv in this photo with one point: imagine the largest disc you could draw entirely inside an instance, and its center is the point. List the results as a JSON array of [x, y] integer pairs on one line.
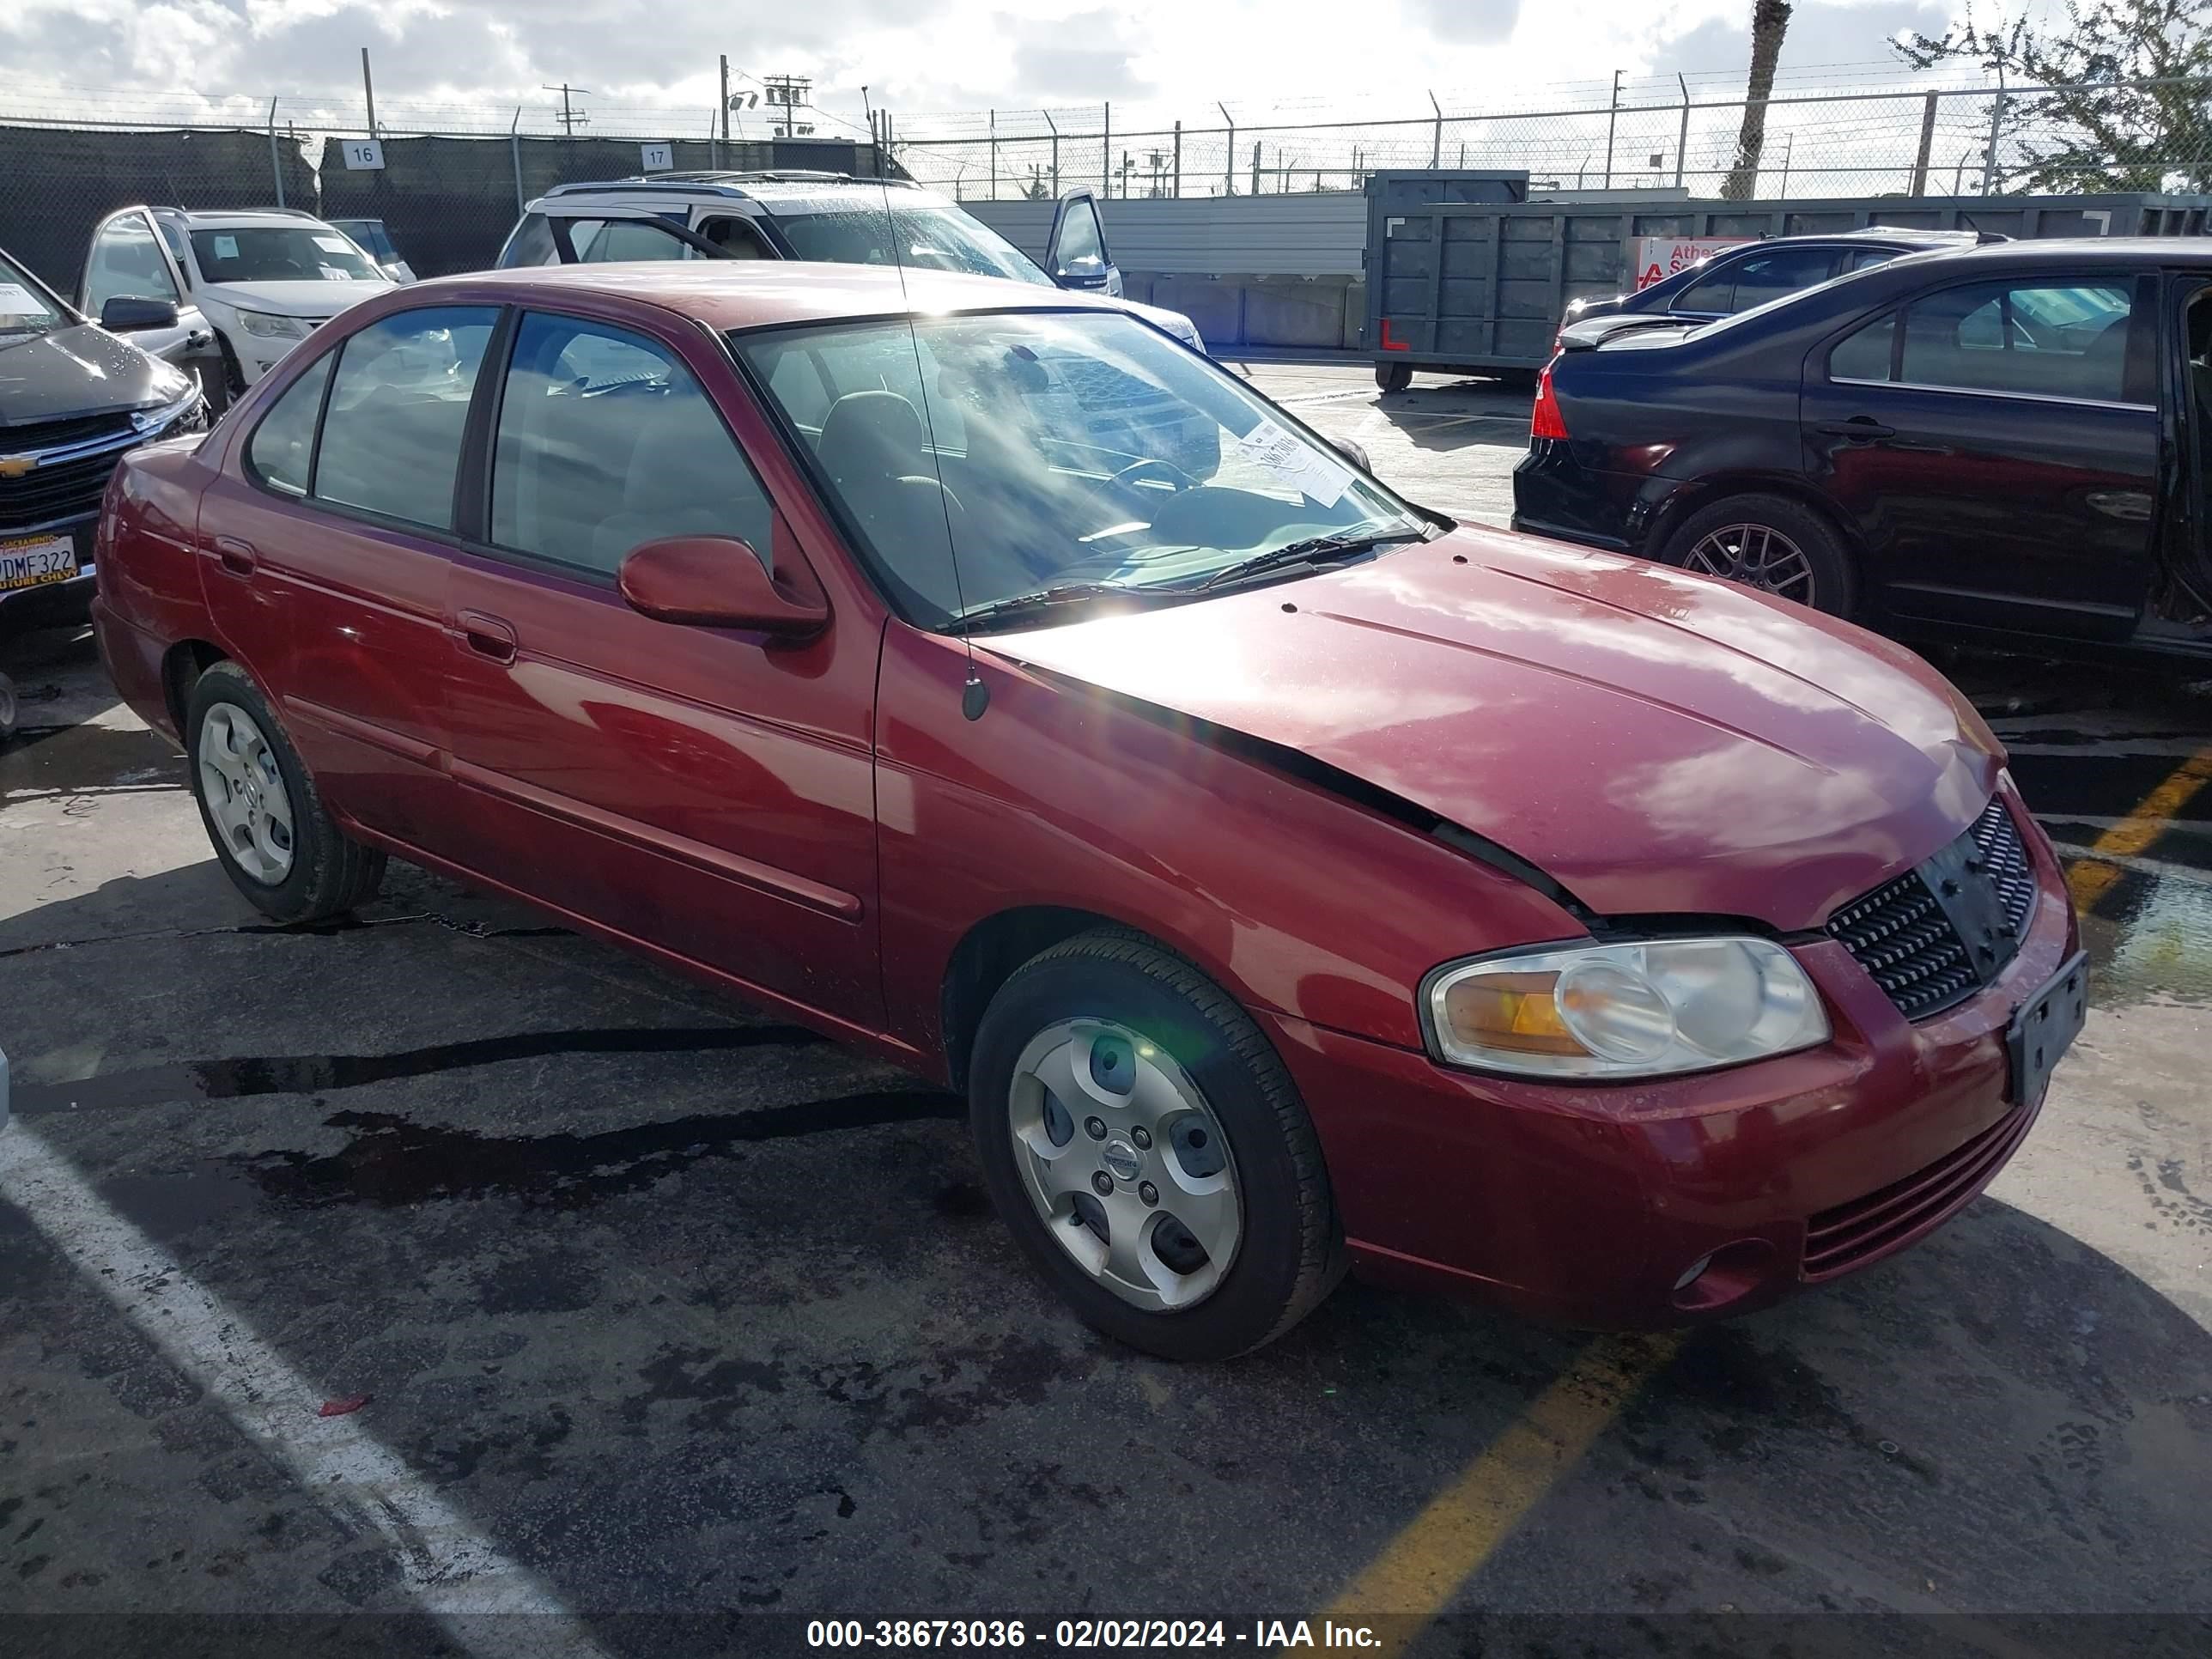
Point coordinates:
[[262, 277], [828, 217]]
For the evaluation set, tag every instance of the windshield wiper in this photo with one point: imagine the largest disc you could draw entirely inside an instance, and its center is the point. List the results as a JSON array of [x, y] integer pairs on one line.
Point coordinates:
[[1314, 550], [1053, 598]]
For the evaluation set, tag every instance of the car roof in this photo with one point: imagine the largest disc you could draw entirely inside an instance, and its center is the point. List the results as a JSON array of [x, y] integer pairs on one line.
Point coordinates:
[[2132, 253], [780, 185], [745, 294], [230, 218]]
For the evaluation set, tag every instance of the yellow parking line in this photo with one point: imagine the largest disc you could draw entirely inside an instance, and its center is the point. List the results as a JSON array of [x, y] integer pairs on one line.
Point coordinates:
[[1440, 1547], [2090, 876]]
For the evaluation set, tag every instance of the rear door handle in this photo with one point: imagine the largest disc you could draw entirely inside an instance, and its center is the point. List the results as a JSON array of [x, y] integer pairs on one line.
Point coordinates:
[[238, 557], [1859, 425], [488, 636]]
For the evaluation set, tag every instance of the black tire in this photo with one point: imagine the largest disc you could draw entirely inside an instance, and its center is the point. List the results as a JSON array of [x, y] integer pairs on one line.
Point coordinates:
[[331, 873], [1393, 377], [8, 708], [1291, 1252], [1835, 587]]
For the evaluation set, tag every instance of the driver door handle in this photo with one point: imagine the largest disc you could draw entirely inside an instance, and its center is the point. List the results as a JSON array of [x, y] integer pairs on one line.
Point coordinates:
[[486, 635], [1859, 425], [238, 557]]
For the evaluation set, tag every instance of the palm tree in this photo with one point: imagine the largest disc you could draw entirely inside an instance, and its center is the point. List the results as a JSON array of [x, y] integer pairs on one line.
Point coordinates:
[[1770, 21]]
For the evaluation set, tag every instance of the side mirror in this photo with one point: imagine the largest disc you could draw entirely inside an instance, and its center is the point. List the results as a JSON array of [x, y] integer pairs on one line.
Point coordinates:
[[1353, 452], [715, 581], [127, 314]]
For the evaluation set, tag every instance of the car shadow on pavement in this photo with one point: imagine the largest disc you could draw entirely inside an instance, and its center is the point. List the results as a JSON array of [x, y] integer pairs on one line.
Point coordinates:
[[696, 1309]]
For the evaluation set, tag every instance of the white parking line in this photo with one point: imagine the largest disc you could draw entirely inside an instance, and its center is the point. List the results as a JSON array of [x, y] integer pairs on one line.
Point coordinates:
[[489, 1604]]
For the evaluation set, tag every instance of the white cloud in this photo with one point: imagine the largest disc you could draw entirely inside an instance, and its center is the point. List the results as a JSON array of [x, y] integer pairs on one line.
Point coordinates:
[[1157, 60]]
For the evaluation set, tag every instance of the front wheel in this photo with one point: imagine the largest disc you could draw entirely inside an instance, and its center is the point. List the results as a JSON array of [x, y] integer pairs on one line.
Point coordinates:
[[272, 835], [8, 709], [1393, 377], [1770, 543], [1149, 1150]]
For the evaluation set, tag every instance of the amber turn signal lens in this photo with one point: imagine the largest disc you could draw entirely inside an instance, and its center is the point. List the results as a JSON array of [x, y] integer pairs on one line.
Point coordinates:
[[1512, 1012]]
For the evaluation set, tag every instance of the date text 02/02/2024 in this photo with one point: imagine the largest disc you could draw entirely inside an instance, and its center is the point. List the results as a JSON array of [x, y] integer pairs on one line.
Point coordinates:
[[1262, 1635]]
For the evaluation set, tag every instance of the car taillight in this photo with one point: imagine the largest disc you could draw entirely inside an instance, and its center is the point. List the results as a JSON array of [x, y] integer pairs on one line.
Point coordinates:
[[1546, 420]]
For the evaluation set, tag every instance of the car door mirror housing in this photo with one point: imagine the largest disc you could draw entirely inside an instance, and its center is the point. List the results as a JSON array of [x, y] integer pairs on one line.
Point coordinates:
[[1353, 452], [127, 312], [716, 582]]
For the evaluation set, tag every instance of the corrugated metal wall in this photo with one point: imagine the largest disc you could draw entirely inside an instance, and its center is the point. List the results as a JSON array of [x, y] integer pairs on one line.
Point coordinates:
[[1309, 235]]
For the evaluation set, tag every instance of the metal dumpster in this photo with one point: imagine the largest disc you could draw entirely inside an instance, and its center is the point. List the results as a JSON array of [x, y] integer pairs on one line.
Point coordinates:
[[1459, 279]]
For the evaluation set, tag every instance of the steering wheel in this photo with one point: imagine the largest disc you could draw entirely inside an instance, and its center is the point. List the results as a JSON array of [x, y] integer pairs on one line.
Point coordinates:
[[1149, 464]]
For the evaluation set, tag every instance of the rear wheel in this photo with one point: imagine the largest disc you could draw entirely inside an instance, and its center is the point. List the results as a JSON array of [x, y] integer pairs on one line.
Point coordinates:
[[1393, 377], [1770, 543], [1149, 1150], [271, 833], [8, 709]]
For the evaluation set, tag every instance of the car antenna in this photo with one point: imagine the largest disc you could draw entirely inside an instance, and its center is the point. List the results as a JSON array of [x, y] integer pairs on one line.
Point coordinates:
[[974, 694]]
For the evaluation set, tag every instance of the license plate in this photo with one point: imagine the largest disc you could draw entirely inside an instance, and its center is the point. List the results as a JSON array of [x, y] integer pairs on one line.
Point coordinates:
[[2045, 1026], [35, 562]]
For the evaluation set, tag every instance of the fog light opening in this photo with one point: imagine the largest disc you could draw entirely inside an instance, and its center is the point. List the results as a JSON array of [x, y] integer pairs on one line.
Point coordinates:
[[1726, 1275]]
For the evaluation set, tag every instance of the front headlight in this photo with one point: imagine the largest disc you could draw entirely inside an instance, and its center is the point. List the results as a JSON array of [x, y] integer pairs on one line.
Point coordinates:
[[1599, 1012], [272, 327], [177, 414]]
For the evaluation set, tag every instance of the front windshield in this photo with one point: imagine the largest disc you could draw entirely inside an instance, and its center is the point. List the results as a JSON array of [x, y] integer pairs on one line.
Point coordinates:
[[24, 308], [280, 253], [1051, 450], [930, 238]]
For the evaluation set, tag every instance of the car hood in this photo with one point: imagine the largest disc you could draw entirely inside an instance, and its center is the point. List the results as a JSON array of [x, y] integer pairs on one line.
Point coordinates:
[[1657, 743], [1171, 322], [82, 370], [295, 298]]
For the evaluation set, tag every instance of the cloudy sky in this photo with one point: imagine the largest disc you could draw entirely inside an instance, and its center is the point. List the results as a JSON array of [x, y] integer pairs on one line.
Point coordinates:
[[1156, 59]]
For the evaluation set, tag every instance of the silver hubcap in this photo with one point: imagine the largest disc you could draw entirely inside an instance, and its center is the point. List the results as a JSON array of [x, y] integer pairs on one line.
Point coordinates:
[[244, 790], [1756, 556], [1126, 1164]]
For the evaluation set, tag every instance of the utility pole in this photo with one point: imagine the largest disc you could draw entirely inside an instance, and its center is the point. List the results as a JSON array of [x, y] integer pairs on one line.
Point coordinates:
[[570, 117], [1612, 116], [369, 92]]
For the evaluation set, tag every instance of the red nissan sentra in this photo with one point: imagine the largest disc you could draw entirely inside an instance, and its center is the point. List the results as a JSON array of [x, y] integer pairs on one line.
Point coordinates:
[[1290, 878]]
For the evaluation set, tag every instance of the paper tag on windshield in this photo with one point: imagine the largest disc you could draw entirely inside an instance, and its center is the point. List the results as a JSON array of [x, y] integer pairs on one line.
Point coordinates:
[[1284, 457], [333, 245], [15, 301], [226, 247], [332, 274]]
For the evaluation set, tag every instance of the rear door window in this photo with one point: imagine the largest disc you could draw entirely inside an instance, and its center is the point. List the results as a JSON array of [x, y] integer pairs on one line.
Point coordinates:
[[605, 441], [2044, 337], [1758, 278], [398, 408], [607, 241]]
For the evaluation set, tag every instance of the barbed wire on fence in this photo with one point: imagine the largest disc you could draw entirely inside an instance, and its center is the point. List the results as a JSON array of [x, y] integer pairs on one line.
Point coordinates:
[[70, 155]]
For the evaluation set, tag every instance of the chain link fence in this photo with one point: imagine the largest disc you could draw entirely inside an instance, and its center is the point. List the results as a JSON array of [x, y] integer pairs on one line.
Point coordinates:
[[1958, 141], [447, 196], [454, 177]]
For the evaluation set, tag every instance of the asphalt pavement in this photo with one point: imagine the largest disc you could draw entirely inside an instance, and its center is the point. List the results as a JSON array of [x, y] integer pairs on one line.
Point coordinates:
[[442, 1280]]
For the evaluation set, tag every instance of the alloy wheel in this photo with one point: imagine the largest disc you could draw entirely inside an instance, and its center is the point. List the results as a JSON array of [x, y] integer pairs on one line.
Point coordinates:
[[243, 788], [1127, 1166], [1757, 556]]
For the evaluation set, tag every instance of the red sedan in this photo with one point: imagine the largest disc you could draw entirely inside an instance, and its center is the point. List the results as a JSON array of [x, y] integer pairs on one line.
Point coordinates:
[[1290, 878]]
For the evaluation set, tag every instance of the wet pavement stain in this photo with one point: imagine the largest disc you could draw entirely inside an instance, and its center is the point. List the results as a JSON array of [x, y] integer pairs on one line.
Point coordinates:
[[393, 1161], [304, 1074], [87, 760]]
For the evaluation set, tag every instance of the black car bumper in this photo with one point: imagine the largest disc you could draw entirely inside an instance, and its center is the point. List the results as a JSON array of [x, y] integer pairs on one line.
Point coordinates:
[[1554, 495]]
